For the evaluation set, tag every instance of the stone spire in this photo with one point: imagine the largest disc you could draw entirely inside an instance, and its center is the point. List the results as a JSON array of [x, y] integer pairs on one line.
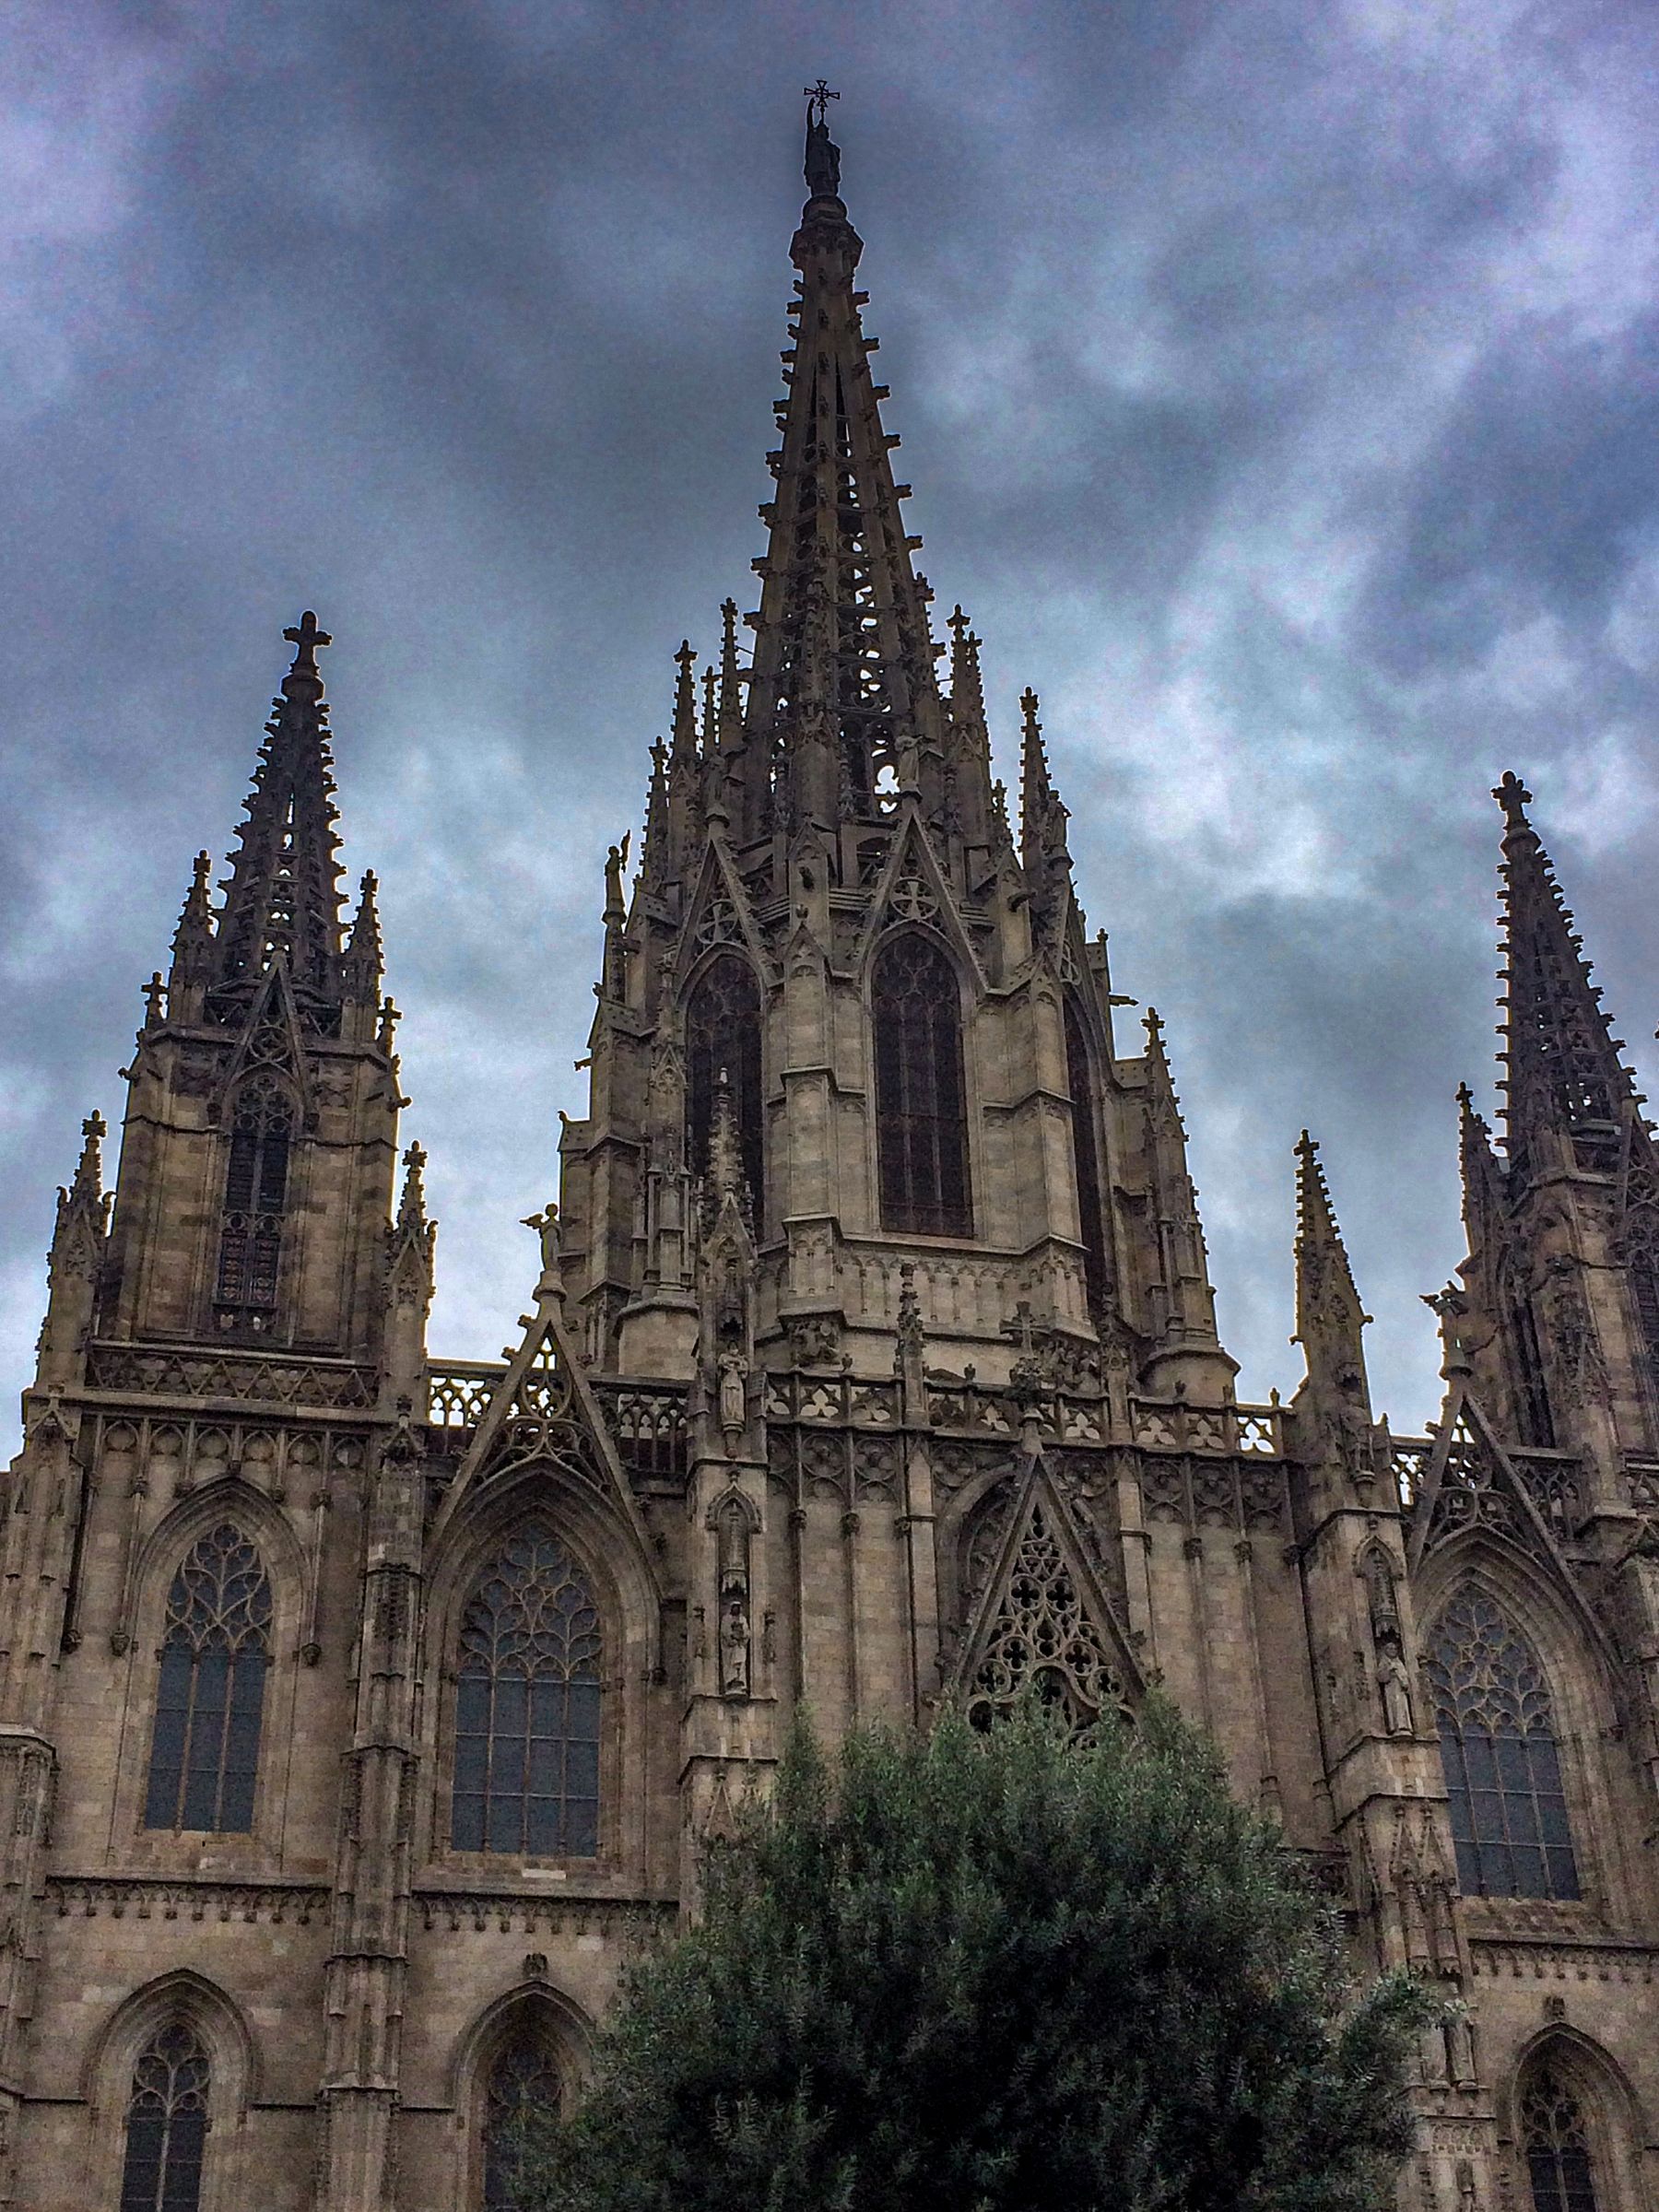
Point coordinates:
[[193, 944], [1042, 818], [654, 856], [1329, 1317], [842, 685], [1182, 1304], [1482, 1170], [282, 904], [79, 1239], [1568, 1094], [365, 959]]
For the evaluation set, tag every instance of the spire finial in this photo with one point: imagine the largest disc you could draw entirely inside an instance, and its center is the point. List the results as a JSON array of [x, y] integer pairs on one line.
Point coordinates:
[[823, 155], [305, 639], [1514, 798]]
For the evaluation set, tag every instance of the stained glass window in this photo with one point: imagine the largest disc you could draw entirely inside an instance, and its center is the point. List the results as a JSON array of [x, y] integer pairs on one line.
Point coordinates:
[[1499, 1750], [257, 1177], [1557, 2146], [723, 1031], [166, 2126], [522, 2086], [527, 1706], [922, 1123], [210, 1700]]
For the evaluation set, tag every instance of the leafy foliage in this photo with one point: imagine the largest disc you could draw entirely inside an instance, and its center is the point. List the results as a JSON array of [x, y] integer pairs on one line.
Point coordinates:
[[970, 1973]]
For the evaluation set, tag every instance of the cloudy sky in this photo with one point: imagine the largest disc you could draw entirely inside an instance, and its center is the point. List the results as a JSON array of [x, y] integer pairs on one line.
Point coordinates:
[[1278, 380]]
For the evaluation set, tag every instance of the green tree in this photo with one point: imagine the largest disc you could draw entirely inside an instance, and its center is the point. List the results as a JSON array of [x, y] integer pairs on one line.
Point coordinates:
[[996, 1973]]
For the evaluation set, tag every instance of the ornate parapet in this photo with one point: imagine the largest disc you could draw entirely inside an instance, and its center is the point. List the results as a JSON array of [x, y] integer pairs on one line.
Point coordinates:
[[136, 1373]]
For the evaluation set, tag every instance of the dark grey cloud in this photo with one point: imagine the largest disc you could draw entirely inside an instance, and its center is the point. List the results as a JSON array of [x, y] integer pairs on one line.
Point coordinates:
[[1277, 386]]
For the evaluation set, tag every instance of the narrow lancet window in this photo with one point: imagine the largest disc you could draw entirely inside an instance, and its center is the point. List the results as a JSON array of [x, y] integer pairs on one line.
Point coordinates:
[[1501, 1760], [1557, 2145], [256, 1182], [166, 2126], [1079, 1081], [210, 1702], [527, 1707], [521, 2095], [722, 1032], [921, 1114]]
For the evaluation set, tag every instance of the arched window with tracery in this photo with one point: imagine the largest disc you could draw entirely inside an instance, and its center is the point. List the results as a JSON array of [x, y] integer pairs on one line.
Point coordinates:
[[1499, 1750], [1086, 1155], [210, 1699], [526, 1771], [921, 1109], [166, 2125], [723, 1031], [1642, 1263], [1556, 2144], [522, 2093], [256, 1200]]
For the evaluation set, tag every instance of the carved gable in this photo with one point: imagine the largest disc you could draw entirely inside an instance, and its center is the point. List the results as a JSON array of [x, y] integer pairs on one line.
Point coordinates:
[[1045, 1622]]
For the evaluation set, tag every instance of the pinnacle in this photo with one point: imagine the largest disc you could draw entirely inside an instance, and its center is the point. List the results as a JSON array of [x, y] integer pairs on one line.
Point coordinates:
[[1564, 1076], [411, 1209], [88, 1171], [1315, 1215]]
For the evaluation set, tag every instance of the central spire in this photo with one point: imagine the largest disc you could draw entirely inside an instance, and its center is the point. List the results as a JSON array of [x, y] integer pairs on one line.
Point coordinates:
[[282, 904], [842, 687]]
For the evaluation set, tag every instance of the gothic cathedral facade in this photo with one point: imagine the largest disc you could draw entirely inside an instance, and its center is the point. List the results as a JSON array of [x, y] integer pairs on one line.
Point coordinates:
[[359, 1708]]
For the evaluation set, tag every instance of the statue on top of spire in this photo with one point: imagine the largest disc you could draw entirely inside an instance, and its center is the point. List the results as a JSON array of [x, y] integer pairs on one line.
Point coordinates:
[[823, 155]]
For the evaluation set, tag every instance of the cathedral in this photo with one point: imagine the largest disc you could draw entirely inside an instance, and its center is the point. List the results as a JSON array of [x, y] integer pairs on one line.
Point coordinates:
[[362, 1708]]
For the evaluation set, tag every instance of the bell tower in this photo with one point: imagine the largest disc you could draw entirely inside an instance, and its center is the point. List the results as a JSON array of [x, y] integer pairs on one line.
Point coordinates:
[[832, 916], [257, 1157]]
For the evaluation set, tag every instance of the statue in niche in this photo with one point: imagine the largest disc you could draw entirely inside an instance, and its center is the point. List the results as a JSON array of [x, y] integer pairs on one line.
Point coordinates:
[[734, 1392], [734, 1649], [1394, 1681]]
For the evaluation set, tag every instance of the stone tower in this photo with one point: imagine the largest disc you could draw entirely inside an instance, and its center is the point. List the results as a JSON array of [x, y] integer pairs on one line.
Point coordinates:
[[358, 1709]]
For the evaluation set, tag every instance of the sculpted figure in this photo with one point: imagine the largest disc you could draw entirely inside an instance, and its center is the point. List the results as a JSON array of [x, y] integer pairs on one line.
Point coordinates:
[[734, 1650], [733, 1375], [1394, 1680]]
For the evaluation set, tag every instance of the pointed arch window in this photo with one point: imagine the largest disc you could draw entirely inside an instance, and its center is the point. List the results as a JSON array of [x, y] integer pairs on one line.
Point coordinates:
[[527, 1701], [211, 1702], [255, 1201], [166, 2125], [723, 1031], [1085, 1156], [522, 2092], [921, 1114], [1499, 1750], [1557, 2145], [1641, 1249]]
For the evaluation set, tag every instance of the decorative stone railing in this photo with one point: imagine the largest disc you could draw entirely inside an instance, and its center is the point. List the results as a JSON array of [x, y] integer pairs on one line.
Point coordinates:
[[234, 1378]]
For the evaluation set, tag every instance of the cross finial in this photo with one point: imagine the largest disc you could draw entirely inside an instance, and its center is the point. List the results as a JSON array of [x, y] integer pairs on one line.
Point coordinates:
[[817, 97], [306, 639]]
